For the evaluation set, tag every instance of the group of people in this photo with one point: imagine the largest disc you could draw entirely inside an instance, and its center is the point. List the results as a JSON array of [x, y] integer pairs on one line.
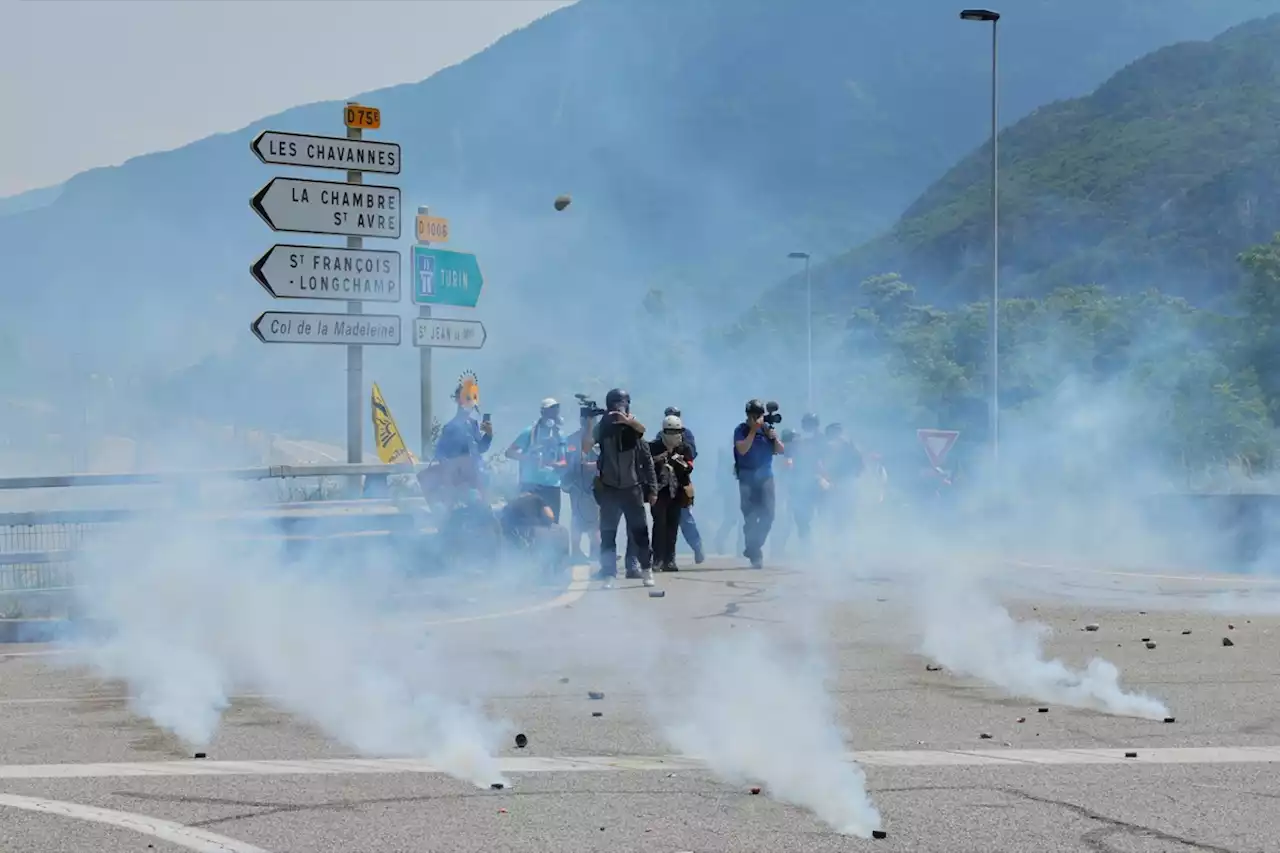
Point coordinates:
[[611, 473], [615, 476]]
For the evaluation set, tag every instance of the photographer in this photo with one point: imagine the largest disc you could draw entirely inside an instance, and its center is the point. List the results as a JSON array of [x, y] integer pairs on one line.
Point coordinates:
[[625, 482], [755, 443], [688, 526], [673, 461]]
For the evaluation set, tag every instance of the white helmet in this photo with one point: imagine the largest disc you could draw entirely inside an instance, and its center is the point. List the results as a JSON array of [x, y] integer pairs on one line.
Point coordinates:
[[672, 423]]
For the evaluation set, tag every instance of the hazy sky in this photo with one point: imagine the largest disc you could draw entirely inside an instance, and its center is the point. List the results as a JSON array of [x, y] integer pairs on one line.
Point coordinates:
[[87, 83]]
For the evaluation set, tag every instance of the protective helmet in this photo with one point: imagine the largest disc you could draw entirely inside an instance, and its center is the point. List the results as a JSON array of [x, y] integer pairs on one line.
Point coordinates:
[[672, 423], [617, 399], [755, 407], [809, 421], [550, 403], [672, 410]]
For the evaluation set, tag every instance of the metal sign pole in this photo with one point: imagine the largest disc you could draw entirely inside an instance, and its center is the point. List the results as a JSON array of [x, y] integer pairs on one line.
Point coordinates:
[[355, 352], [424, 369]]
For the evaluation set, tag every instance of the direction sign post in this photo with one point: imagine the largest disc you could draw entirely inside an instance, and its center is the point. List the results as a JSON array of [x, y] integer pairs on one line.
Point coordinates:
[[351, 209], [326, 207], [449, 334], [320, 272], [301, 327], [326, 152], [442, 277]]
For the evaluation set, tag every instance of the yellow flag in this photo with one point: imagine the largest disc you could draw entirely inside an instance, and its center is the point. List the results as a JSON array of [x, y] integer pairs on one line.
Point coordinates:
[[391, 447]]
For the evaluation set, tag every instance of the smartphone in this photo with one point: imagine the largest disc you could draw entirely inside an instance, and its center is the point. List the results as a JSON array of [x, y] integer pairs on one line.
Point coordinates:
[[486, 417]]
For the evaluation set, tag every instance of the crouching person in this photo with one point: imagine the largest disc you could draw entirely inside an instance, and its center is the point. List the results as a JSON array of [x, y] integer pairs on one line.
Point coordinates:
[[673, 465], [529, 526]]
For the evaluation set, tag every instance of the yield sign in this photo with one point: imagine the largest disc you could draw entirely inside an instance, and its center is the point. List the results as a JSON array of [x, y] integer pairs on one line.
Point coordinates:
[[937, 443]]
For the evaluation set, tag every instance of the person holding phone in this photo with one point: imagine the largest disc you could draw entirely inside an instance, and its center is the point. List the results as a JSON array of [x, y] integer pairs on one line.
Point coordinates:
[[755, 443], [463, 442]]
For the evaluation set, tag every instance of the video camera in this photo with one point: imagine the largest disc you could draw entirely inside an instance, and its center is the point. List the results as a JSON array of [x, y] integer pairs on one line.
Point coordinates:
[[588, 408], [773, 417]]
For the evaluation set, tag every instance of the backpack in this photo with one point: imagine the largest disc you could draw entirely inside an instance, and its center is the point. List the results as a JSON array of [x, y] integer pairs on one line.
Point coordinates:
[[616, 466]]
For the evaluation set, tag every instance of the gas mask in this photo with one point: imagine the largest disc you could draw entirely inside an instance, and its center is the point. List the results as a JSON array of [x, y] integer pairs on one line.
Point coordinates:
[[672, 439]]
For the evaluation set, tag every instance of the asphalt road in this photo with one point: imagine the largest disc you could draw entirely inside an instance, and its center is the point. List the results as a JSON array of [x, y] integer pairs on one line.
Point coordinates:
[[79, 771]]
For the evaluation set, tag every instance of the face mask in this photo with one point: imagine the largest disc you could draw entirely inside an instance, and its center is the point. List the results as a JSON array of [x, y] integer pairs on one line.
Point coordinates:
[[671, 439]]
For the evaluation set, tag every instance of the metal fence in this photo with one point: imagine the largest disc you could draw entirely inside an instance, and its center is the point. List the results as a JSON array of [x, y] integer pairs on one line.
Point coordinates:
[[38, 548]]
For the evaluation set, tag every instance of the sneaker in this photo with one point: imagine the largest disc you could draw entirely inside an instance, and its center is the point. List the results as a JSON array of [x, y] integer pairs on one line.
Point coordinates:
[[671, 566], [633, 574], [646, 576], [757, 562], [608, 583], [699, 556]]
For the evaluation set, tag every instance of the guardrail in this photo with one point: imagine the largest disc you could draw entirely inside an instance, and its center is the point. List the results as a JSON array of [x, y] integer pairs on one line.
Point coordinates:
[[38, 547], [179, 477]]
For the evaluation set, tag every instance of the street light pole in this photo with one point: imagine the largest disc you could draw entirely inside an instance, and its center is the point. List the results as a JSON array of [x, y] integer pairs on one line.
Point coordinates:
[[808, 301], [985, 15]]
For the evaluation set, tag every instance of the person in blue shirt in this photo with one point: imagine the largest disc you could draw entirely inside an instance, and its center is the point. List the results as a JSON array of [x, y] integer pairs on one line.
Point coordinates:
[[463, 441], [541, 449], [755, 443]]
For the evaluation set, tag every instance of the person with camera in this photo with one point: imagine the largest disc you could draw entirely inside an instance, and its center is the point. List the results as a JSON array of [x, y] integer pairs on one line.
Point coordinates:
[[755, 443], [541, 449], [688, 526], [673, 463], [625, 481]]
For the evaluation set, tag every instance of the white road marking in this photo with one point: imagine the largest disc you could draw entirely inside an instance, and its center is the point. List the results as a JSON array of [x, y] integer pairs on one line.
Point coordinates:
[[578, 586], [883, 758], [174, 833], [1240, 579]]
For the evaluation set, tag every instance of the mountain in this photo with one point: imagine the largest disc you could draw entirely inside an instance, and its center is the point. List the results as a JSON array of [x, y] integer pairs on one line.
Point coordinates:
[[30, 200], [1159, 178], [701, 142]]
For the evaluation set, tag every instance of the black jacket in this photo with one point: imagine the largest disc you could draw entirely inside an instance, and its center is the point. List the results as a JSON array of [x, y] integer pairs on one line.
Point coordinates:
[[674, 468], [624, 461]]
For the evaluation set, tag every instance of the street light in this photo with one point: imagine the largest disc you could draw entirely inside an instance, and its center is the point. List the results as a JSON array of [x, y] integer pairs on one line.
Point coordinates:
[[808, 301], [985, 16]]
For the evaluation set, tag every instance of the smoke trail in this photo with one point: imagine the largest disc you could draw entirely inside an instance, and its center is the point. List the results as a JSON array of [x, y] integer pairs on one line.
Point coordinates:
[[970, 634], [190, 616], [753, 715]]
